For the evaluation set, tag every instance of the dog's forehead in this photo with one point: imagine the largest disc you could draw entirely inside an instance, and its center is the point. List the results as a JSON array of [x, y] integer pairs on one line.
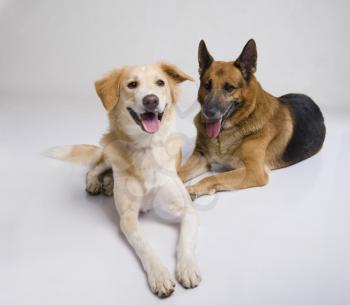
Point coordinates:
[[144, 72], [221, 70]]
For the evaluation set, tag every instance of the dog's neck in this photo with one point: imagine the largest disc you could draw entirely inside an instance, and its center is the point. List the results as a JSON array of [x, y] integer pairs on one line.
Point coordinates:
[[263, 107]]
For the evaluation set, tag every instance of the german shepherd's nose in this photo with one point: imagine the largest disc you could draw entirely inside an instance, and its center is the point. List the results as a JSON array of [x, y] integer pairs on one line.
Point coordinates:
[[212, 112], [150, 102]]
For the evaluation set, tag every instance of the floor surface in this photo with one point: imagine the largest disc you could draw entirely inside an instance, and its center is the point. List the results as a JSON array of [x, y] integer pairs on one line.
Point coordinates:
[[286, 243]]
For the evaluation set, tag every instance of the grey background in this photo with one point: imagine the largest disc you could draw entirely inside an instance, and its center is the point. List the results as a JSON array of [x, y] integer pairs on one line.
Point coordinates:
[[286, 243]]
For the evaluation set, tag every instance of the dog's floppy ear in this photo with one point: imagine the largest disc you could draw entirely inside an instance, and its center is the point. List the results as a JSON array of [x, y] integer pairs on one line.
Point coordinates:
[[204, 57], [246, 62], [107, 89], [175, 73], [175, 76]]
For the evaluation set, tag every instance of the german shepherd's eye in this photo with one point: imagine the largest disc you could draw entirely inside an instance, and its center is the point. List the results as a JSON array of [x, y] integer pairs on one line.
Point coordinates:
[[160, 82], [228, 87], [132, 85], [207, 85]]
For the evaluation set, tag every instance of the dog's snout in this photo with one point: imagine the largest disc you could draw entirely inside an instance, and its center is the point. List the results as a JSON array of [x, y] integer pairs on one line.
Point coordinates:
[[150, 101], [212, 112]]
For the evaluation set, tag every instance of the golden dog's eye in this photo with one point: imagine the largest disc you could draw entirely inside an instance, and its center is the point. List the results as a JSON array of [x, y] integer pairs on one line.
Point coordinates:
[[207, 85], [160, 83], [132, 85], [228, 87]]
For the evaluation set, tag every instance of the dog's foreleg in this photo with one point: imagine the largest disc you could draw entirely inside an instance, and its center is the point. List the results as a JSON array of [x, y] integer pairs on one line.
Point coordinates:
[[241, 178], [252, 173], [187, 271], [196, 165], [174, 201], [159, 277]]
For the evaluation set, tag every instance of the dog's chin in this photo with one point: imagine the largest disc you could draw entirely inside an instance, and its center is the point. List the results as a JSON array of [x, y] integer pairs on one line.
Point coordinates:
[[149, 121]]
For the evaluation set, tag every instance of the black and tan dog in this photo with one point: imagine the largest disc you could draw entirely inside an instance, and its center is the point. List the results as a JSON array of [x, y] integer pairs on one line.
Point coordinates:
[[244, 129]]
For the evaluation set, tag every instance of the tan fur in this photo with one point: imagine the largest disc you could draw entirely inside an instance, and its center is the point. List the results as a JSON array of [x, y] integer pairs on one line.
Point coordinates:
[[108, 89], [83, 154], [85, 150]]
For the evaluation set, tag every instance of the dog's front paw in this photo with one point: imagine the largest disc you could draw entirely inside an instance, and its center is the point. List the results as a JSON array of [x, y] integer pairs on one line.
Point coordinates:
[[188, 273], [196, 191], [161, 281], [93, 184], [182, 176]]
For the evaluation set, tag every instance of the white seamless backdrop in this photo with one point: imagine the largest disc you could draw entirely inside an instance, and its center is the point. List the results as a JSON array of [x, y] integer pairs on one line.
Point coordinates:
[[61, 47]]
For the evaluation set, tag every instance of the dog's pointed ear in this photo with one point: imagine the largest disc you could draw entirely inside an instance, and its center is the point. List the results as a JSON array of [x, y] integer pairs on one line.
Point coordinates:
[[204, 57], [107, 89], [246, 62], [175, 73]]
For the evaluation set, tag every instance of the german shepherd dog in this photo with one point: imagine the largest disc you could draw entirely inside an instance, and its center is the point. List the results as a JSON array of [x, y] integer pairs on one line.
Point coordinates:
[[245, 130]]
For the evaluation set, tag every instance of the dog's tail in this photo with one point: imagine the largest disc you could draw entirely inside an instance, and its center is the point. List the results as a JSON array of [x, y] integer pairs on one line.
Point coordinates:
[[82, 154]]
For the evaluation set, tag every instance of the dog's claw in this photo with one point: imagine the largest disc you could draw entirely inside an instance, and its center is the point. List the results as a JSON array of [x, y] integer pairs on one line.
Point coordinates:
[[193, 196], [188, 274], [161, 282], [93, 187]]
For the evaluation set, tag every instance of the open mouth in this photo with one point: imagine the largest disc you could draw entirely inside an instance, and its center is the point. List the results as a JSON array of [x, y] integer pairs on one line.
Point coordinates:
[[214, 127], [149, 121]]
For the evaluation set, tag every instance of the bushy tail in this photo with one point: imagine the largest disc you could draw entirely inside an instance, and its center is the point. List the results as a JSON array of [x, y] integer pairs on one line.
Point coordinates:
[[83, 154]]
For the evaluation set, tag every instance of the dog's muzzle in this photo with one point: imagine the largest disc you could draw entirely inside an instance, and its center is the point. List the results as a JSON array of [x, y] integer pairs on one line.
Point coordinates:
[[149, 121], [214, 117]]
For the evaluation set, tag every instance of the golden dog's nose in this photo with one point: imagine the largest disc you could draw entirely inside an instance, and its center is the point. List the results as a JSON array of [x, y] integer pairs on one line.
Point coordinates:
[[150, 102]]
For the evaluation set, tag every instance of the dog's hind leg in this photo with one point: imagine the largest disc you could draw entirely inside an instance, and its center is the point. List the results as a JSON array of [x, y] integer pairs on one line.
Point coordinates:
[[107, 182], [99, 179]]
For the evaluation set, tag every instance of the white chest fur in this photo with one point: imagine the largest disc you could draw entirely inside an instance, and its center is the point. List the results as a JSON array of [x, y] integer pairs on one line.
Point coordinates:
[[154, 164]]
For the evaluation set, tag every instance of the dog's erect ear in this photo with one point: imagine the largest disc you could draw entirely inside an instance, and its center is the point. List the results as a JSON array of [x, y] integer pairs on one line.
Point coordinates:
[[174, 73], [246, 62], [204, 57], [107, 89]]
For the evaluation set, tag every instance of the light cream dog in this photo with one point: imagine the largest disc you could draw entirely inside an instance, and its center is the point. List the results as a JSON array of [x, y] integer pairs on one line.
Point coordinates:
[[143, 150]]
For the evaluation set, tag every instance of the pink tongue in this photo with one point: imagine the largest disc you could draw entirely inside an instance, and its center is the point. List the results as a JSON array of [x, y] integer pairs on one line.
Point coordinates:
[[213, 128], [151, 125]]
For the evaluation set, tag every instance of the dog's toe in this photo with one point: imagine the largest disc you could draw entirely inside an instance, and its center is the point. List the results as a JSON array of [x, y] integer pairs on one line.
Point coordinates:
[[107, 185], [193, 196], [93, 186], [188, 273], [193, 193], [161, 282]]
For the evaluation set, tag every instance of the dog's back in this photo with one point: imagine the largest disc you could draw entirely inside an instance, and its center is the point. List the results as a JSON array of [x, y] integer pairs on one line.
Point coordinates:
[[308, 128]]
